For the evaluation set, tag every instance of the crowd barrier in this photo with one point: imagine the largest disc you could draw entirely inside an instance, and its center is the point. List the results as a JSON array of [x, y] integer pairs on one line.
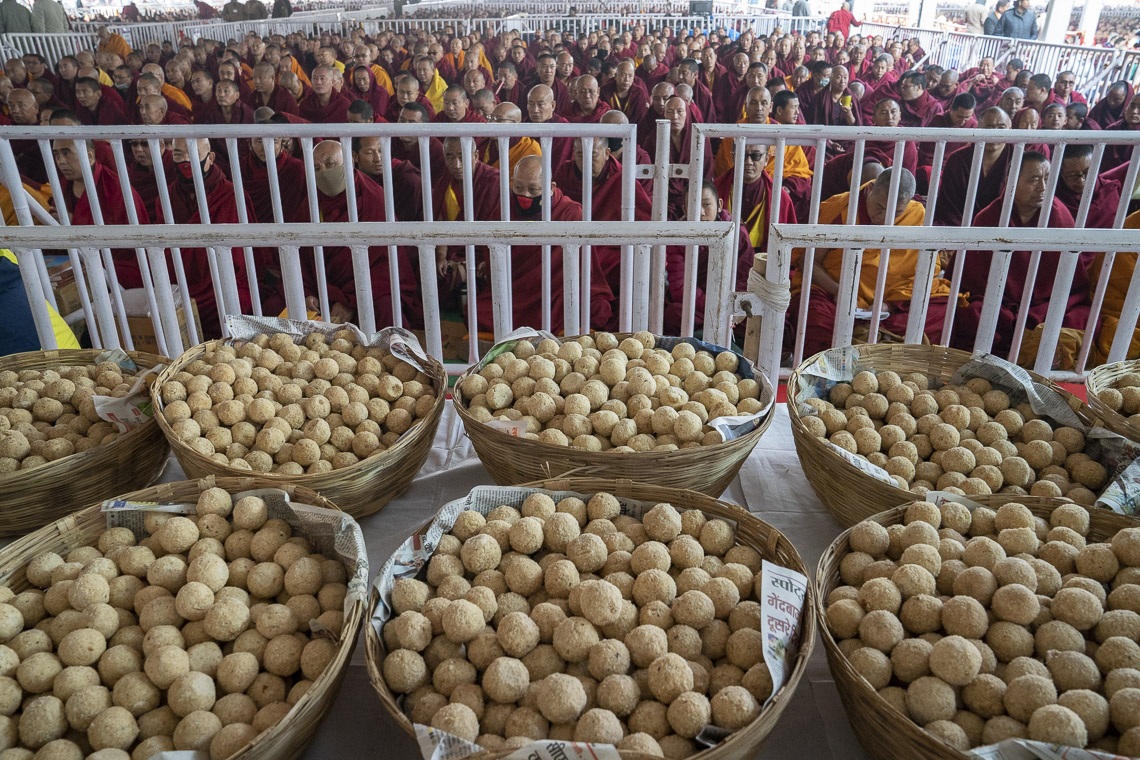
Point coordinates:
[[51, 46], [1096, 67], [640, 299], [894, 143]]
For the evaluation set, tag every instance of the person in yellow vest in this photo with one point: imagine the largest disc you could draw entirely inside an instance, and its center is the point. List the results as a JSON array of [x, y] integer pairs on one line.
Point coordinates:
[[18, 329], [521, 147], [901, 266], [1123, 267]]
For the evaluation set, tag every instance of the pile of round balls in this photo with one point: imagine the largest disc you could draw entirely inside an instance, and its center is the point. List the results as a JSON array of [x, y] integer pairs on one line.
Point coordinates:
[[963, 439], [599, 393], [47, 415], [272, 405], [993, 625], [196, 637], [1124, 397], [571, 621]]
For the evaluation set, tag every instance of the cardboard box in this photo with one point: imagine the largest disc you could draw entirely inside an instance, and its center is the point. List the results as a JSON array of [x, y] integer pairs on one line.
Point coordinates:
[[141, 327], [454, 338], [66, 290]]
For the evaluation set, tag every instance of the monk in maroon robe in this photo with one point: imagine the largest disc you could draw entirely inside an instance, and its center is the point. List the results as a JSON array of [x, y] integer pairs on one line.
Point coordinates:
[[98, 105], [540, 105], [457, 108], [112, 204], [950, 210], [837, 171], [689, 73], [918, 108], [323, 104], [652, 72], [626, 92], [1130, 122], [407, 188], [680, 148], [712, 210], [509, 88], [878, 84], [587, 107], [222, 210], [1075, 165], [340, 278], [526, 269], [140, 169], [408, 91], [1028, 203], [960, 115], [728, 85], [1110, 109], [267, 93], [606, 205]]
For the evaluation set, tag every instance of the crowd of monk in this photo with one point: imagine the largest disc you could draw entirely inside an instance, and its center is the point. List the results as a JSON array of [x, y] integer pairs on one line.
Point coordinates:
[[634, 77]]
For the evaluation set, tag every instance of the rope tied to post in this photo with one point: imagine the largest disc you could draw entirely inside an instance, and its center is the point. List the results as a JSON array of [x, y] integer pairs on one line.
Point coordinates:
[[778, 295]]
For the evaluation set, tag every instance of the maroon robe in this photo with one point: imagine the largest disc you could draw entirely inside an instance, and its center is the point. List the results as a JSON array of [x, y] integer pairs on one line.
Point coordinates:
[[412, 156], [652, 78], [634, 105], [280, 100], [724, 92], [920, 111], [223, 210], [333, 112], [407, 191], [526, 275], [678, 188], [874, 91], [950, 211], [575, 115], [675, 276], [926, 149], [811, 100], [114, 211], [471, 117], [1102, 208], [110, 110], [144, 179], [392, 114], [339, 275], [606, 207], [703, 100], [484, 194], [516, 94], [290, 181], [1115, 155], [975, 277], [561, 148], [1105, 116], [836, 171], [828, 112], [376, 95]]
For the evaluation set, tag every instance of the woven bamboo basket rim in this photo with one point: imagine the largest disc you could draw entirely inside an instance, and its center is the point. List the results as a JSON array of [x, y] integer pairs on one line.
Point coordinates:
[[1103, 377], [290, 736], [767, 540], [33, 497], [716, 463], [72, 358], [883, 731], [412, 447], [850, 494]]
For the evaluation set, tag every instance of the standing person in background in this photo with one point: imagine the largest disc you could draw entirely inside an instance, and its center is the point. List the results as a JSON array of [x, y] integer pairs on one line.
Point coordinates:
[[976, 17], [49, 17], [990, 26], [282, 9], [233, 11], [1019, 23], [14, 18], [841, 21]]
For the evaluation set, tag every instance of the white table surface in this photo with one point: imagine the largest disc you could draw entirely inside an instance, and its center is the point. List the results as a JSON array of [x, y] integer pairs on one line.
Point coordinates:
[[771, 484]]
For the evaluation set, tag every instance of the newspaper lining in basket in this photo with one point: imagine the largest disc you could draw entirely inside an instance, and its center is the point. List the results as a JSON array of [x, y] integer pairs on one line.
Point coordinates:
[[332, 533], [1120, 456], [395, 340], [783, 595], [730, 428], [129, 411]]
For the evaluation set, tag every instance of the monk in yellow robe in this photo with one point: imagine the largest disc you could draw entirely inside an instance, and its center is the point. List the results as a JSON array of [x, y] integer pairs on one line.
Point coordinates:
[[901, 267], [1123, 265]]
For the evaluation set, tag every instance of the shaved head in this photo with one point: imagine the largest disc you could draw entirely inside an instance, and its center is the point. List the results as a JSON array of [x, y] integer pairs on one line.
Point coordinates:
[[507, 112], [325, 151]]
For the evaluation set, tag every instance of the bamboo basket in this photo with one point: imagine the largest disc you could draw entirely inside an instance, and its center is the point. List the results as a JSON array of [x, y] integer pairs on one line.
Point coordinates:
[[360, 489], [35, 497], [884, 732], [1103, 377], [288, 739], [706, 469], [850, 494], [750, 531]]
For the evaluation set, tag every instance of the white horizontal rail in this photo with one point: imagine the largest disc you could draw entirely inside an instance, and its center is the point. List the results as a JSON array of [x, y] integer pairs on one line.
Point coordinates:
[[786, 238]]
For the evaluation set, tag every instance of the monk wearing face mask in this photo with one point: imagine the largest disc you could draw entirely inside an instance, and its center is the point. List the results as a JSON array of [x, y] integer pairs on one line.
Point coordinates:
[[220, 209], [332, 202]]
